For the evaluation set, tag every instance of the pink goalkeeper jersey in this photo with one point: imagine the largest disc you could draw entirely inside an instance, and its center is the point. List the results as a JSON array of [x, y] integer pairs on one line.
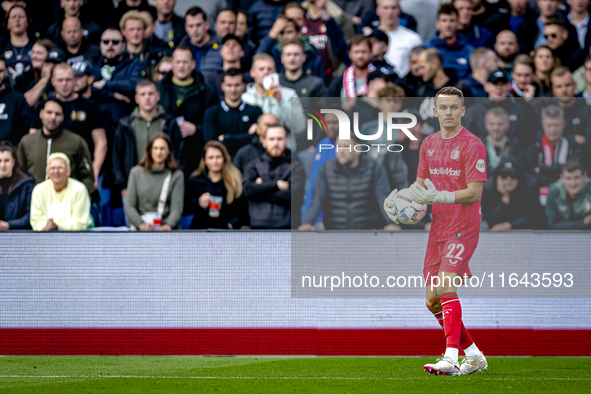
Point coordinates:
[[451, 164]]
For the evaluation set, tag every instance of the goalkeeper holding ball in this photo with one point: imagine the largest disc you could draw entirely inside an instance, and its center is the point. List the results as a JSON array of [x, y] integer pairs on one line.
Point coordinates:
[[451, 175]]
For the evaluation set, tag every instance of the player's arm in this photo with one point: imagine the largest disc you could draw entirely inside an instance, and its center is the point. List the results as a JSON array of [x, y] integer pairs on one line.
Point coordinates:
[[423, 191]]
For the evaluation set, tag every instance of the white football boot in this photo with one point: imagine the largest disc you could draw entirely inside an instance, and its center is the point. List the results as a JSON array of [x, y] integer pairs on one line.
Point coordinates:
[[473, 364], [443, 366]]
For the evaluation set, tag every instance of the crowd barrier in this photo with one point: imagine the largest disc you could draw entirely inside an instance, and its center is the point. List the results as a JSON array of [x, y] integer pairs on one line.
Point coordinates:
[[231, 293]]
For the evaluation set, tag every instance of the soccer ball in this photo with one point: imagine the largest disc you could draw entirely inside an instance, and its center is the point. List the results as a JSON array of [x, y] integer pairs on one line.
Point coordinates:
[[407, 210]]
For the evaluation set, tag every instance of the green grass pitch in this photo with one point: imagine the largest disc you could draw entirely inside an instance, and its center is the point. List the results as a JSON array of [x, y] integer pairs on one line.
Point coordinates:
[[154, 374]]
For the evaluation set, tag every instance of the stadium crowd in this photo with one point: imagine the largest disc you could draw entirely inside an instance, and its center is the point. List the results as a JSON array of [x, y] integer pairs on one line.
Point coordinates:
[[122, 113]]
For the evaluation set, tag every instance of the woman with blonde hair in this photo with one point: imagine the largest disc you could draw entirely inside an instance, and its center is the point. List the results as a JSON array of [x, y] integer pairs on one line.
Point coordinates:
[[214, 191], [544, 62], [156, 185]]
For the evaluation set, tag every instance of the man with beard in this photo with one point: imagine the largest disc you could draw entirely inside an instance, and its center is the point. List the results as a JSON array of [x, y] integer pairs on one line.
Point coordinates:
[[84, 78], [524, 84], [81, 115], [563, 46], [506, 47], [255, 149], [75, 46], [413, 80], [116, 76], [35, 148]]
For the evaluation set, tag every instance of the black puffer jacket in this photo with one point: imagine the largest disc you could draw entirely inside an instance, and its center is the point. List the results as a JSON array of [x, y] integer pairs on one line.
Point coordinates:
[[18, 204]]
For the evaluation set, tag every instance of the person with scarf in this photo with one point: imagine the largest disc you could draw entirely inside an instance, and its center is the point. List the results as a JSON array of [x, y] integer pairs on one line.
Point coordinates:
[[547, 156]]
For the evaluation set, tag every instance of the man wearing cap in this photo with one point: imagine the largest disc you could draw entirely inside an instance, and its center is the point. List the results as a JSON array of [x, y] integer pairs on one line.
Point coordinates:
[[510, 198], [34, 149], [232, 52], [84, 77], [293, 75], [169, 27], [454, 47], [569, 200], [75, 45], [81, 116], [379, 47], [522, 119], [401, 39], [563, 46], [15, 115], [60, 203]]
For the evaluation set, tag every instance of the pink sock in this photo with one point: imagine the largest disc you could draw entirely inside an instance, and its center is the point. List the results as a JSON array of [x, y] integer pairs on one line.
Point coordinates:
[[452, 319]]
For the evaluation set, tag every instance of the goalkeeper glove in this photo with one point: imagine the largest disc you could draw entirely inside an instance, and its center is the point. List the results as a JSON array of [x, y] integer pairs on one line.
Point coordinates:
[[390, 206], [430, 195]]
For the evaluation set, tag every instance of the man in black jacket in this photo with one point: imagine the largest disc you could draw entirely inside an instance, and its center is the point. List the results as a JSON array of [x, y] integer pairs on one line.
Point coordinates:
[[255, 149], [169, 27], [564, 45], [185, 95], [350, 189], [268, 183], [15, 114]]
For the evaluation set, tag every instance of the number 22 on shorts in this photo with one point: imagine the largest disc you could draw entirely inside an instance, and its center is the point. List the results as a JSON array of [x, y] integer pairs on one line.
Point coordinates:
[[450, 253]]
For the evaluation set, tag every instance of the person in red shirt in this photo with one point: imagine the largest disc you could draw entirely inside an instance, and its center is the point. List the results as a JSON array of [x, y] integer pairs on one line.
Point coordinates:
[[451, 176]]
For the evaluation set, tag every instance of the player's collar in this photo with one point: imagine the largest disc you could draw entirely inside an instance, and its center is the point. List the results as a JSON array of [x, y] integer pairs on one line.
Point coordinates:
[[451, 138]]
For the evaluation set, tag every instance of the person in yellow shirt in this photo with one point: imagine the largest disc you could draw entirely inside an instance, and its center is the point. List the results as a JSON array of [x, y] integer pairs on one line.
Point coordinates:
[[60, 203]]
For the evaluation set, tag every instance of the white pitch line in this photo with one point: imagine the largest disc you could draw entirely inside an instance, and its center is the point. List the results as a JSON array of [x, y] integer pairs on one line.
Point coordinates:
[[261, 378]]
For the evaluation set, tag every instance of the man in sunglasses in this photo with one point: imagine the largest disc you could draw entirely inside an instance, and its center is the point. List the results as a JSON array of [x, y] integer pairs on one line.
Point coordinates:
[[564, 45], [116, 76]]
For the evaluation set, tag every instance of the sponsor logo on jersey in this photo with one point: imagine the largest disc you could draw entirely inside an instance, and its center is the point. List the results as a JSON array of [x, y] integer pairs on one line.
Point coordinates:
[[480, 166], [455, 154], [444, 171]]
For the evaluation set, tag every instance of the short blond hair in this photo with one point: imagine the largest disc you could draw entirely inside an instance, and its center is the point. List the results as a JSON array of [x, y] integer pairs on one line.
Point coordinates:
[[132, 15], [262, 56], [61, 156]]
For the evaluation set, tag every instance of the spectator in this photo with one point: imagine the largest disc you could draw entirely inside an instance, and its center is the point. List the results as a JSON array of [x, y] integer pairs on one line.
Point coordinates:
[[38, 74], [255, 149], [82, 116], [151, 39], [367, 107], [156, 184], [509, 199], [547, 156], [211, 7], [278, 100], [126, 6], [242, 32], [576, 112], [532, 33], [205, 48], [262, 15], [453, 47], [587, 78], [133, 26], [232, 51], [293, 59], [483, 62], [185, 95], [169, 27], [135, 132], [76, 46], [579, 17], [327, 33], [569, 200], [15, 115], [506, 47], [52, 137], [379, 47], [216, 177], [15, 191], [354, 82], [351, 173], [60, 203], [518, 14], [482, 11], [16, 45], [544, 64], [402, 40], [267, 182], [355, 9], [497, 85], [476, 36], [565, 48], [72, 9], [286, 30], [116, 76], [225, 22], [498, 146], [84, 72], [230, 121], [412, 81], [435, 76], [523, 76]]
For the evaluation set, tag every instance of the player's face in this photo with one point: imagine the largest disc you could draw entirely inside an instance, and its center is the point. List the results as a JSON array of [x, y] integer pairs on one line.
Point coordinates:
[[553, 128], [449, 111], [214, 160], [573, 181]]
